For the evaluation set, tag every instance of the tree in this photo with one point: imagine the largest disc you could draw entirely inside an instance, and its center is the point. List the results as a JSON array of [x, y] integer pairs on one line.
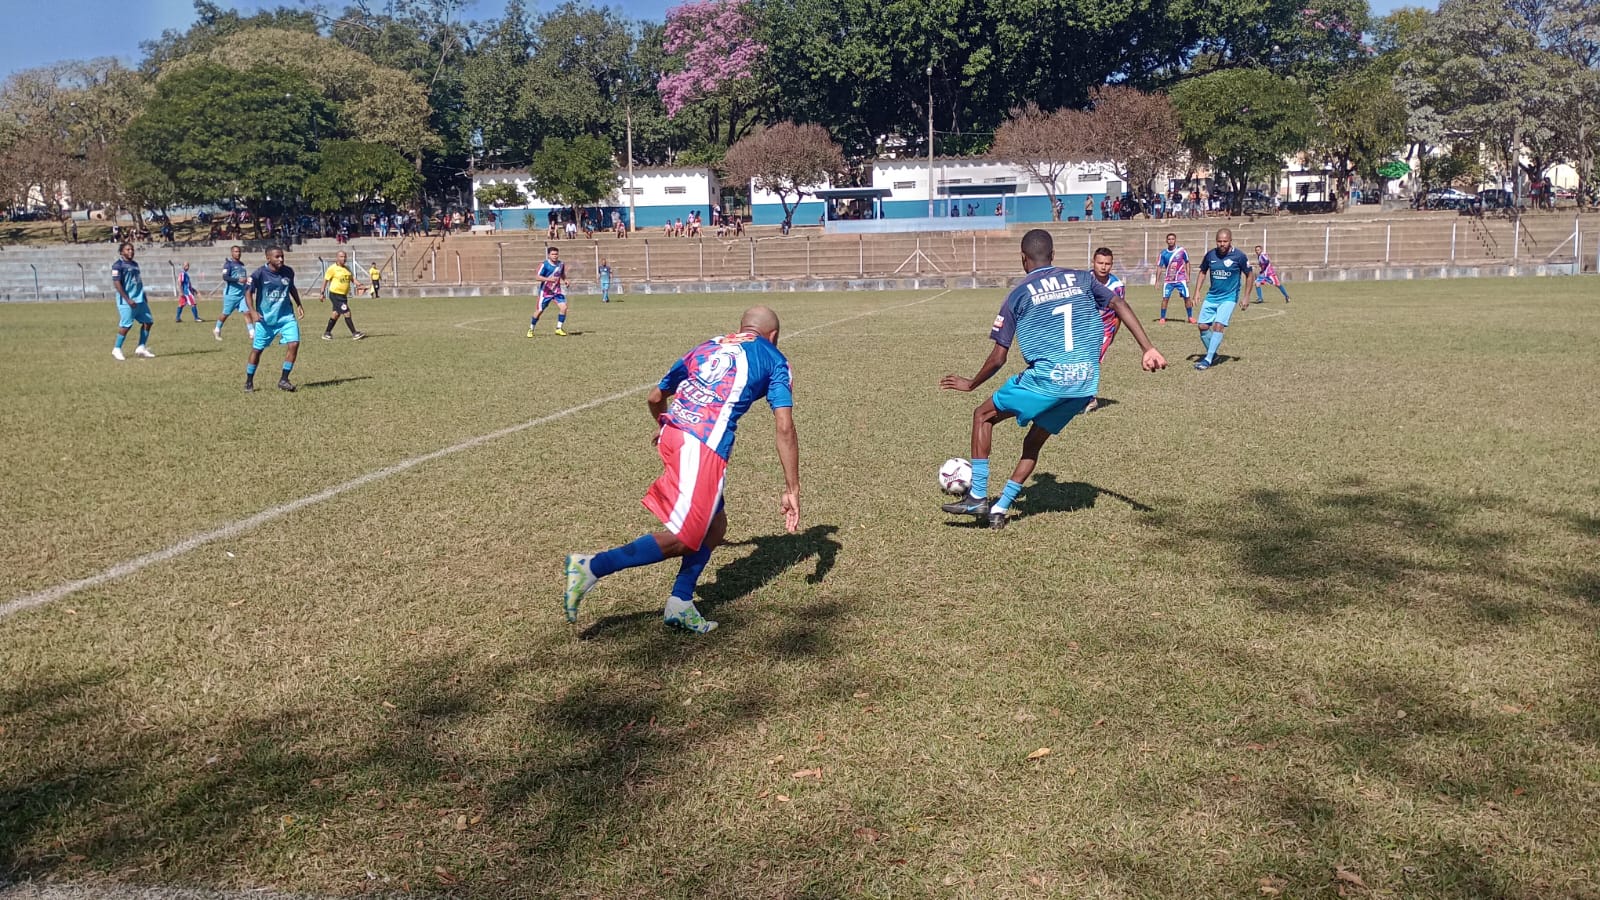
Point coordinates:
[[502, 195], [714, 54], [494, 89], [353, 173], [212, 24], [579, 172], [213, 133], [1044, 144], [1361, 123], [784, 159], [1138, 133], [578, 55], [375, 104], [1244, 122]]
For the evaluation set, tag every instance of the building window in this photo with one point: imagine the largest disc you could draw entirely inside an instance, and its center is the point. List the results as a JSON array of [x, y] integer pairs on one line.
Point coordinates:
[[904, 185], [1087, 177], [636, 191], [677, 189]]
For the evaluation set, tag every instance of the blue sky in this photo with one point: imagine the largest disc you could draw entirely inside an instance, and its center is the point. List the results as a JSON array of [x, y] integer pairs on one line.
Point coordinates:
[[39, 32]]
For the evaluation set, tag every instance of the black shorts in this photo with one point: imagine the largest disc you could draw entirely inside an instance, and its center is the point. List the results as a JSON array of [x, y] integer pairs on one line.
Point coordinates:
[[339, 302]]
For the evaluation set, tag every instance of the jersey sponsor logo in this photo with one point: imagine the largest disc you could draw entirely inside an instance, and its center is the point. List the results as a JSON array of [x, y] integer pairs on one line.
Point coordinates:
[[998, 321]]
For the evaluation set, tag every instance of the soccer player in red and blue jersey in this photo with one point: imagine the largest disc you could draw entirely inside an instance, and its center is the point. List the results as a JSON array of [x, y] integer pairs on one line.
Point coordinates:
[[1053, 317], [698, 405], [1267, 274], [552, 278], [1175, 272]]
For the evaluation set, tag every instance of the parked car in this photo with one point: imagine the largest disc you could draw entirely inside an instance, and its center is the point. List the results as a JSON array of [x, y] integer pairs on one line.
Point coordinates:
[[1444, 198], [1495, 198]]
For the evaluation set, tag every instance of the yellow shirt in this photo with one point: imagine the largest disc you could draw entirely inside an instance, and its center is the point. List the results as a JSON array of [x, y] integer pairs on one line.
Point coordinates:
[[373, 273], [338, 279]]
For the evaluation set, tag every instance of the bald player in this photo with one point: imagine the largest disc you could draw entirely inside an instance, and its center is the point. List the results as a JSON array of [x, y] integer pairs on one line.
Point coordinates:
[[697, 407], [1227, 267]]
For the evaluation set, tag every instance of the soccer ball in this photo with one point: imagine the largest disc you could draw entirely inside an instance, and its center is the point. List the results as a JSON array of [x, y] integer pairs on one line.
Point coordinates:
[[955, 476]]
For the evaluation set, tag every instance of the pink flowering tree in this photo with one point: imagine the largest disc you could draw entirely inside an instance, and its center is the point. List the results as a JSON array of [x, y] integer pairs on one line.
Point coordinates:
[[713, 52]]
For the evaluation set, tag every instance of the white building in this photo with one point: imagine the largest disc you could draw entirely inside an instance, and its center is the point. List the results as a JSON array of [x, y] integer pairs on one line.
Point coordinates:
[[659, 194]]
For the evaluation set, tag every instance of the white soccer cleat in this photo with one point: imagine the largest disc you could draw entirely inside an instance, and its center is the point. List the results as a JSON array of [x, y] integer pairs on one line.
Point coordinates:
[[143, 351], [116, 353], [217, 332]]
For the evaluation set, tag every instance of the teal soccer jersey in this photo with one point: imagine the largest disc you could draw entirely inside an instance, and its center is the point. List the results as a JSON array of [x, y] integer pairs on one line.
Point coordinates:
[[1227, 274], [1053, 316], [273, 302], [127, 274]]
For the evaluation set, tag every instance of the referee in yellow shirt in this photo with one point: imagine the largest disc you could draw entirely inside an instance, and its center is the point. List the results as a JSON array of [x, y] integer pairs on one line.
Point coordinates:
[[336, 288]]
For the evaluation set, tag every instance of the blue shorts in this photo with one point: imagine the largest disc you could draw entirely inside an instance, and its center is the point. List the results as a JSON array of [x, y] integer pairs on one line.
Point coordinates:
[[1182, 287], [1217, 311], [1033, 408], [232, 304], [138, 312], [286, 330], [551, 298]]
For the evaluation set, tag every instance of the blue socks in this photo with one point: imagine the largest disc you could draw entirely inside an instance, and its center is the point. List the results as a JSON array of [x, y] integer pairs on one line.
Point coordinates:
[[980, 478], [144, 335], [1007, 497], [533, 322], [1258, 294], [561, 319], [120, 339], [1213, 341], [287, 368], [250, 369], [641, 552], [689, 573]]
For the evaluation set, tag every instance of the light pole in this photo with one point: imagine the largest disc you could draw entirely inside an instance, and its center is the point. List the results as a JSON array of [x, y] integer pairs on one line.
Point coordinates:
[[627, 105], [930, 140]]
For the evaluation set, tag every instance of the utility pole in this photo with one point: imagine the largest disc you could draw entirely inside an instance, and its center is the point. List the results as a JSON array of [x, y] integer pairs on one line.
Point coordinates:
[[627, 105], [930, 140]]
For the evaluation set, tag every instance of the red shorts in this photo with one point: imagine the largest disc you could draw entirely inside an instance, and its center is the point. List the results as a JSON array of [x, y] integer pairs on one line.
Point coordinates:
[[687, 495], [1111, 322]]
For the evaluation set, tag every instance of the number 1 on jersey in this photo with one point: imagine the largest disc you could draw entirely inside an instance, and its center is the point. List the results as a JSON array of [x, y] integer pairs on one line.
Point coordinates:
[[1066, 311]]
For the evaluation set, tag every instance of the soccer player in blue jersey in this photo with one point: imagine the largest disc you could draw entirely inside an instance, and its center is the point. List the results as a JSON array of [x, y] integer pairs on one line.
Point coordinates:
[[131, 305], [1053, 317], [605, 281], [552, 277], [698, 405], [1227, 267], [267, 305], [1175, 277], [235, 278]]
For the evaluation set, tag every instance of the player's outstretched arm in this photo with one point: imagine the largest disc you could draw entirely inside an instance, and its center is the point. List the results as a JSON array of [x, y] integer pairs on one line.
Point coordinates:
[[789, 456], [991, 365], [1153, 359]]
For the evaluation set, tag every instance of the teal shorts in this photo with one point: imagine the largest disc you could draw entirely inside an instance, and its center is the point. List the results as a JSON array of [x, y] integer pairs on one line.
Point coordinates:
[[138, 312], [1033, 408], [1217, 312], [232, 303], [286, 330]]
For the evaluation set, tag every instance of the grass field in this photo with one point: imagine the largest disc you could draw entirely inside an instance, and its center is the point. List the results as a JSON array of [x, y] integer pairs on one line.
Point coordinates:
[[1321, 621]]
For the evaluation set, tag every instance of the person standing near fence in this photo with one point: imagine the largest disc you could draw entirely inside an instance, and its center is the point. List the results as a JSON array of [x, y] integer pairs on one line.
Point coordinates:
[[186, 295]]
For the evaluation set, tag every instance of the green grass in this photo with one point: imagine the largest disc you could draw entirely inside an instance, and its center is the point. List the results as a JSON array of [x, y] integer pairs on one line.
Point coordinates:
[[1328, 608]]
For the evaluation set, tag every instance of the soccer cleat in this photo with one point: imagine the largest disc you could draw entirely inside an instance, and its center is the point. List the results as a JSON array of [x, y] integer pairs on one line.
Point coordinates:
[[1259, 301], [689, 620], [997, 521], [1161, 321], [530, 332], [217, 332], [326, 336], [358, 336], [249, 386], [1203, 364], [143, 351], [968, 506], [579, 580], [561, 332], [1192, 321], [284, 385], [116, 353]]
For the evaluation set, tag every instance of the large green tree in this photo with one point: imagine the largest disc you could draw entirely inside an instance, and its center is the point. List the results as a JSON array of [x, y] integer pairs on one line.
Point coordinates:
[[578, 172], [1244, 122], [214, 23], [355, 173], [213, 133], [1361, 123]]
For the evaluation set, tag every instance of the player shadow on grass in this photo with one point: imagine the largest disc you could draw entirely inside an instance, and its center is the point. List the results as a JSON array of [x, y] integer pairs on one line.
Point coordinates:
[[774, 554], [335, 382], [168, 354], [1046, 494]]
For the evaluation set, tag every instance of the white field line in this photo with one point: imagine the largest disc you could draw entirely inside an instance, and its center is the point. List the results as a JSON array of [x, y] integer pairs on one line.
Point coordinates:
[[241, 526]]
